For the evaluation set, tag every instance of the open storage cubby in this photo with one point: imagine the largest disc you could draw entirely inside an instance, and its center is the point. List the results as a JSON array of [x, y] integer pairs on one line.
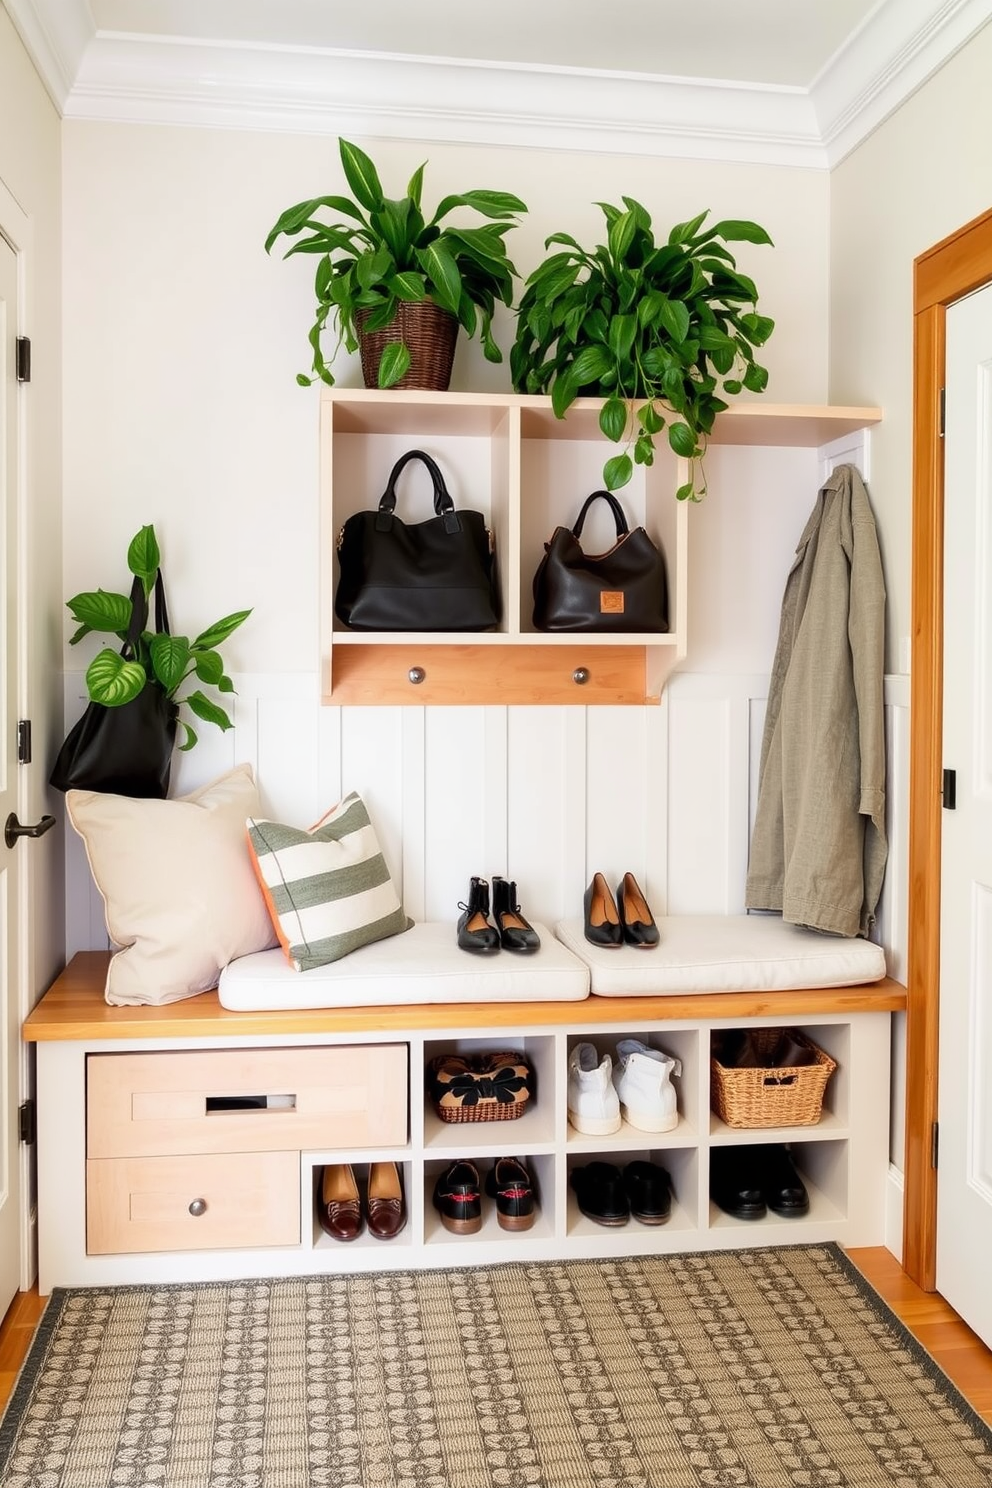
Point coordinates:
[[843, 1158], [508, 456]]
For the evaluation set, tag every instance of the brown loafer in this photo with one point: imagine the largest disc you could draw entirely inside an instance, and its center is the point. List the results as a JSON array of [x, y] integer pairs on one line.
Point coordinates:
[[386, 1210], [339, 1209]]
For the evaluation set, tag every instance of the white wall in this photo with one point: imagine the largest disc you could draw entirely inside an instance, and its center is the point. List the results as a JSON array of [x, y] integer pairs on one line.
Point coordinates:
[[922, 175], [30, 195]]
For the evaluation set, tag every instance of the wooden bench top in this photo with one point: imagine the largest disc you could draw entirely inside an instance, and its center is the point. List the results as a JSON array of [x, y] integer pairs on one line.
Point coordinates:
[[74, 1009]]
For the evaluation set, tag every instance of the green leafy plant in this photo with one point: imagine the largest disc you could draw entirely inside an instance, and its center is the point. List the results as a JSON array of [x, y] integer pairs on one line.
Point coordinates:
[[166, 661], [387, 252], [658, 330]]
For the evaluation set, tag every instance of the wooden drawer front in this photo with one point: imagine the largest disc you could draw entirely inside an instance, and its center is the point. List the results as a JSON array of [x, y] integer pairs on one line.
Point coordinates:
[[167, 1103], [140, 1204]]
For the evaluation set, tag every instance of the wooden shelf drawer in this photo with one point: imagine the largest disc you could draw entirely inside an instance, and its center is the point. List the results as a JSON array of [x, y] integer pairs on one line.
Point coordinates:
[[238, 1200], [245, 1100]]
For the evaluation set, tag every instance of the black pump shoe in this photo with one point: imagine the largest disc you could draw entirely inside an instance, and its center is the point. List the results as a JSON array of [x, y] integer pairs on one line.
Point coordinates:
[[636, 919], [514, 932], [474, 930], [602, 920]]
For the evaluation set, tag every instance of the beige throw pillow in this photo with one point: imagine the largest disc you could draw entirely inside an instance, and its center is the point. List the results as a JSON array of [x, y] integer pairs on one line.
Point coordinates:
[[178, 886]]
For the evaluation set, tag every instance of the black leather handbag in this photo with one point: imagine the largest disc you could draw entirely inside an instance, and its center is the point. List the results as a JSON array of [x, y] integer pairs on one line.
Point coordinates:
[[126, 749], [433, 575], [622, 590]]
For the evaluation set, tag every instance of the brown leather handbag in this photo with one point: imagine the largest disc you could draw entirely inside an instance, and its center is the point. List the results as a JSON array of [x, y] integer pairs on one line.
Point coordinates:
[[624, 589]]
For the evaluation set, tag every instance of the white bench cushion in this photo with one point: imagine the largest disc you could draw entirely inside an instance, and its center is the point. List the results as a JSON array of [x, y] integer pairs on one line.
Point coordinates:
[[423, 964], [726, 953]]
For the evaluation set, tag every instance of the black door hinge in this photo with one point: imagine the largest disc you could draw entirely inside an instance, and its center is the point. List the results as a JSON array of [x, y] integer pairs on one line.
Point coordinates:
[[23, 359], [943, 412], [934, 1143], [949, 790], [24, 741], [27, 1122]]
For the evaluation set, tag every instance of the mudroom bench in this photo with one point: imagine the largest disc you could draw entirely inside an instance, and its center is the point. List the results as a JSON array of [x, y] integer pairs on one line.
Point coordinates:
[[185, 1142]]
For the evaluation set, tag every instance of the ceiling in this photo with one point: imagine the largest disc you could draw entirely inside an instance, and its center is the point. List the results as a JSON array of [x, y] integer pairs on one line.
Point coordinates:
[[771, 81]]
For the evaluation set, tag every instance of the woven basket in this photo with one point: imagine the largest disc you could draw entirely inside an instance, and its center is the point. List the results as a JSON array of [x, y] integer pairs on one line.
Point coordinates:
[[430, 334], [765, 1096], [487, 1087]]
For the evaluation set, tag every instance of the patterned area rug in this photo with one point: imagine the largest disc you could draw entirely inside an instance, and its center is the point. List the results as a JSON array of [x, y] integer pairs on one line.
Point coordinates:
[[753, 1369]]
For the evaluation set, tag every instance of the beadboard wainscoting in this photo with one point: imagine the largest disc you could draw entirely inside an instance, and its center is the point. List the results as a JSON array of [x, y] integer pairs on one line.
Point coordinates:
[[542, 795]]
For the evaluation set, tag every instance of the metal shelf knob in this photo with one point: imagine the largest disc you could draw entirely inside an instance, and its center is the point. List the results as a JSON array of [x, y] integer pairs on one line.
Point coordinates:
[[198, 1207], [580, 676], [416, 674]]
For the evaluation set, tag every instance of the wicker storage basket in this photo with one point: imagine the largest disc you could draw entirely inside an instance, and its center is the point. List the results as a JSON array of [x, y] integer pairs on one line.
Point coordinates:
[[429, 333], [767, 1096], [494, 1086]]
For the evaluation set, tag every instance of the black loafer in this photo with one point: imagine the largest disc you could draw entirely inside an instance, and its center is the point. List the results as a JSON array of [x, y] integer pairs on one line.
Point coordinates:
[[737, 1181], [600, 1193], [509, 1183], [602, 919], [785, 1191], [648, 1187], [458, 1200]]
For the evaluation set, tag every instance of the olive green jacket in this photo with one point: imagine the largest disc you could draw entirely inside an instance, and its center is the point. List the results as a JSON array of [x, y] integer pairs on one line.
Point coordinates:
[[818, 847]]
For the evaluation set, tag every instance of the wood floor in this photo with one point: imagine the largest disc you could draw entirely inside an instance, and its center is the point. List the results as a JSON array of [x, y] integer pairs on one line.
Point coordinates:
[[962, 1356]]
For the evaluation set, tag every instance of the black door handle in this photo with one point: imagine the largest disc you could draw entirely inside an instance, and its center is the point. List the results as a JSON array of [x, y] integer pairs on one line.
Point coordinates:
[[12, 829]]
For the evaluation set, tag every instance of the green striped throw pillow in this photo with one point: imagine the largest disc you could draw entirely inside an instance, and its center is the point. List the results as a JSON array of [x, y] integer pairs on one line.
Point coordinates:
[[328, 889]]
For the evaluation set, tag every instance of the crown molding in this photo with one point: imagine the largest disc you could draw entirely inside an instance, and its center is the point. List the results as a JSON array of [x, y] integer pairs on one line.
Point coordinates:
[[900, 46], [55, 34], [126, 78]]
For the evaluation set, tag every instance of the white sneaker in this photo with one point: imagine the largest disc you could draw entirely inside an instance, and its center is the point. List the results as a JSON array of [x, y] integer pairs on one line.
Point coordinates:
[[642, 1079], [593, 1104]]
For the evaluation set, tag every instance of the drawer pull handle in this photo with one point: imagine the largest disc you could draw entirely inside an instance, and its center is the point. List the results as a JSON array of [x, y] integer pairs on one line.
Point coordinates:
[[228, 1103], [198, 1207]]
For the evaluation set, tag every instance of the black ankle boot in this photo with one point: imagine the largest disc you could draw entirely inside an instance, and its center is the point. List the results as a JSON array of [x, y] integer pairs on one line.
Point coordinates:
[[514, 932], [474, 930]]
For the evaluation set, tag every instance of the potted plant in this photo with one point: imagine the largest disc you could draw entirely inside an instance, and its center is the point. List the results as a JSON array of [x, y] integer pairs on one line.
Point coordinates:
[[658, 330], [165, 660], [386, 267]]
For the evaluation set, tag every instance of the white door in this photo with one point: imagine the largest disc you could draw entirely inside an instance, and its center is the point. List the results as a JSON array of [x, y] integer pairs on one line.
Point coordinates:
[[10, 859], [964, 1172]]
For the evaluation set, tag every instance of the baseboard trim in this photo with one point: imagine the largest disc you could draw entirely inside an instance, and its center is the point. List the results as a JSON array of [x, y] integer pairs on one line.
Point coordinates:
[[894, 1188]]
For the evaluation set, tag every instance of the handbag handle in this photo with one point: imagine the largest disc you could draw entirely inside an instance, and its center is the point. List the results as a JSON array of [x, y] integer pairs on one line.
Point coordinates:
[[443, 504], [615, 507], [139, 614]]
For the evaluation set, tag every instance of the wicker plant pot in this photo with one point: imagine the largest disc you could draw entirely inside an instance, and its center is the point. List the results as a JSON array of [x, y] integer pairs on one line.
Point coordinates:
[[430, 334]]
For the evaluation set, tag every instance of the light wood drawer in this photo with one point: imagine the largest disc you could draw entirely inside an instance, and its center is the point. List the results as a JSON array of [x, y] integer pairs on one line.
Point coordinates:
[[239, 1200], [162, 1104]]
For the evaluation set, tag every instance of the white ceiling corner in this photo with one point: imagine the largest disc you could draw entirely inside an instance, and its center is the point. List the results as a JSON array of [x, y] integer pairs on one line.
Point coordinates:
[[177, 79]]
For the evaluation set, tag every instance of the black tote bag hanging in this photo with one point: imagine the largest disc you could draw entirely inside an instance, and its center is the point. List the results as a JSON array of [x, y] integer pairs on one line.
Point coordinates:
[[125, 750], [624, 589], [433, 575]]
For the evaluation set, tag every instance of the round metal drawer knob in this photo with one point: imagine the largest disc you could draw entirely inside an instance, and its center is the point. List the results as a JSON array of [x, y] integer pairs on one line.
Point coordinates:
[[416, 674], [580, 675], [198, 1207]]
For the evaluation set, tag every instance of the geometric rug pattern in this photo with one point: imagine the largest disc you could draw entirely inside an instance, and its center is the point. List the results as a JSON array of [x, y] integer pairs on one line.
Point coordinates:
[[766, 1368]]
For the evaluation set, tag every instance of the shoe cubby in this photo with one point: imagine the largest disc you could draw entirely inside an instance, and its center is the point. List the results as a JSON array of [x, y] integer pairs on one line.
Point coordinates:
[[330, 1248], [681, 1164], [824, 1167], [679, 1043], [833, 1039], [534, 1128], [491, 1233]]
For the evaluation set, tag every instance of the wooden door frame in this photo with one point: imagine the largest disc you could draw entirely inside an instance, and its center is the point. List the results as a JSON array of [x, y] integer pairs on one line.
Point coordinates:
[[949, 270]]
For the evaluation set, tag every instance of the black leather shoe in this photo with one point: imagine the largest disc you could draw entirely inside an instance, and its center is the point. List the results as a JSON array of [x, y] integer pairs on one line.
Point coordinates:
[[600, 1193], [785, 1191], [474, 930], [648, 1187], [636, 919], [509, 1183], [458, 1200], [737, 1181], [514, 932], [602, 919]]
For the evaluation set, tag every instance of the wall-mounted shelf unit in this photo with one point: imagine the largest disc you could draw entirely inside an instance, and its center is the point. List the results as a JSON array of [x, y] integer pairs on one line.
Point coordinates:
[[507, 455]]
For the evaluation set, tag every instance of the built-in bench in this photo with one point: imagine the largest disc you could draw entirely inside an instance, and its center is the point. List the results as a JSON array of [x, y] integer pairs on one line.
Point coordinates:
[[191, 1188]]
